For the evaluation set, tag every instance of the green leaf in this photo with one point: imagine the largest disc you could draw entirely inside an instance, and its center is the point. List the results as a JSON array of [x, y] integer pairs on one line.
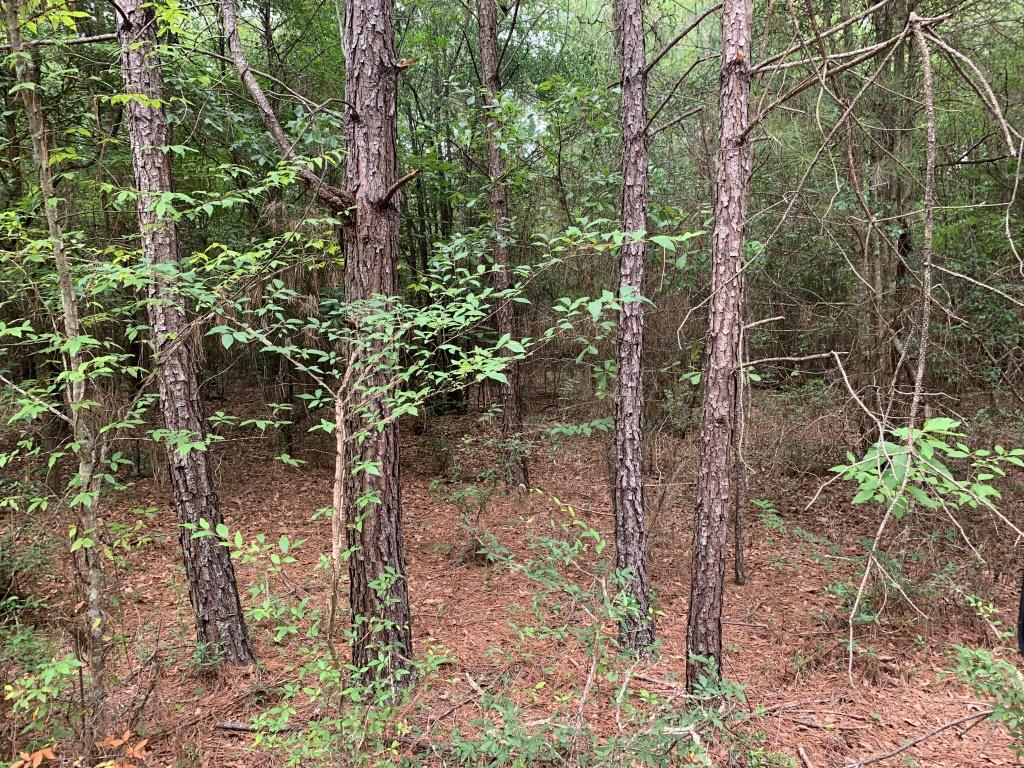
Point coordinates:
[[941, 424], [665, 242], [865, 495]]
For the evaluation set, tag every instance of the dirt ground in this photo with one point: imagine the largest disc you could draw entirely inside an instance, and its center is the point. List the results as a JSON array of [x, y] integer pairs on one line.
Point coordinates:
[[784, 630]]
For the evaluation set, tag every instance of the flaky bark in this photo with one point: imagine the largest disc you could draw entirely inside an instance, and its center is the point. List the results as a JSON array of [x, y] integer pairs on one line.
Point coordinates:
[[511, 401], [637, 627], [90, 445], [220, 625], [381, 615], [721, 358]]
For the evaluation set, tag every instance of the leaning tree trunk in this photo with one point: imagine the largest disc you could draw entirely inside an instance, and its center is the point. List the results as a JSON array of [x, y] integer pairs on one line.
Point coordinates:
[[516, 476], [90, 444], [378, 590], [722, 354], [220, 625], [636, 629]]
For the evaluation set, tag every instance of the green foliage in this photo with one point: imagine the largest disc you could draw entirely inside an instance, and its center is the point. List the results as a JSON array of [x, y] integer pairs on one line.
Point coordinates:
[[1000, 682], [899, 474], [40, 697]]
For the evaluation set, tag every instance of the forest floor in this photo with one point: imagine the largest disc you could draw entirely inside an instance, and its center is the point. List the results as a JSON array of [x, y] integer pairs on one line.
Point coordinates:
[[785, 628]]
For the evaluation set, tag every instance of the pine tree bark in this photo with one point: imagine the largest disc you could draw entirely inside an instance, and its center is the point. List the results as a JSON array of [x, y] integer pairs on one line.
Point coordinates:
[[378, 590], [91, 453], [722, 354], [220, 625], [516, 475], [636, 629]]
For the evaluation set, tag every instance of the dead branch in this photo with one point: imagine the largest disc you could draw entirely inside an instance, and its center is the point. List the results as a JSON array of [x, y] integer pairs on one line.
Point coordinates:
[[675, 40], [827, 33], [924, 737], [335, 198]]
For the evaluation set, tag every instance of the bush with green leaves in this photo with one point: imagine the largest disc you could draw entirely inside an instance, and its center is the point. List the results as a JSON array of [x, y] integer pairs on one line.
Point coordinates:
[[999, 681]]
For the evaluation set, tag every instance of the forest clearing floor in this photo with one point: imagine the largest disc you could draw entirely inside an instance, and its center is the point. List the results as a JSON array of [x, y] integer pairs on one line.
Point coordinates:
[[785, 629]]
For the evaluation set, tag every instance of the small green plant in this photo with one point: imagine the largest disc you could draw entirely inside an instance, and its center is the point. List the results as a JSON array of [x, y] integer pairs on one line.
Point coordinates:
[[553, 718], [206, 658], [1000, 682]]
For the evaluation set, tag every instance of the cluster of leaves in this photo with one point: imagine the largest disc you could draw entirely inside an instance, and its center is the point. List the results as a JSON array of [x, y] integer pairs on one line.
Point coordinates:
[[898, 474], [1000, 682]]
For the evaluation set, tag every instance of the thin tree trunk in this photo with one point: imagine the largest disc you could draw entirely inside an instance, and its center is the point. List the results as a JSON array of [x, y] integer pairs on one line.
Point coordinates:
[[378, 589], [636, 629], [90, 452], [739, 470], [721, 359], [220, 625], [516, 476]]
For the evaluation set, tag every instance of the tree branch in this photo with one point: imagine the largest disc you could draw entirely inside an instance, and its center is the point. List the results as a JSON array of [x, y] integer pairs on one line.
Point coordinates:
[[104, 38], [675, 40], [336, 199], [393, 189]]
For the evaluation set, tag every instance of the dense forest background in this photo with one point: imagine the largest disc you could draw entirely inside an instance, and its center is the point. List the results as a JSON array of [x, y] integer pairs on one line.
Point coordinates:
[[527, 383]]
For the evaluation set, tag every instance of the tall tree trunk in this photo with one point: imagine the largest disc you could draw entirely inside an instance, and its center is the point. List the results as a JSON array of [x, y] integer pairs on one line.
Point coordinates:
[[516, 476], [721, 358], [378, 590], [211, 577], [637, 627], [90, 444]]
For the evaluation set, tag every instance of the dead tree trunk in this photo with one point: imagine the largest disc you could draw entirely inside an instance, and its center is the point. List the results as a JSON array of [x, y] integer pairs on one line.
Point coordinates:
[[637, 627], [378, 590], [721, 357], [90, 444], [516, 476], [220, 626]]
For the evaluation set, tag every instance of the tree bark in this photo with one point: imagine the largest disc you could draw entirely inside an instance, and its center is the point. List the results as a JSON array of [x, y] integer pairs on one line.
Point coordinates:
[[220, 625], [516, 476], [378, 589], [91, 454], [636, 629], [721, 357]]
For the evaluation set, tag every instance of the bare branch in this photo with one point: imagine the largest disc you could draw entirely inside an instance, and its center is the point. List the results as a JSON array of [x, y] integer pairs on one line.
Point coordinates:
[[766, 64], [336, 199], [393, 189], [675, 40], [104, 38]]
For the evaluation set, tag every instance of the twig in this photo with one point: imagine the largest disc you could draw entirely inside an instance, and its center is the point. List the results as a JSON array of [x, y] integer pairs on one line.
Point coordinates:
[[231, 725], [672, 43], [674, 121], [980, 284], [934, 731], [801, 359], [803, 757], [765, 321], [393, 189], [104, 38], [474, 685], [36, 398], [827, 33]]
